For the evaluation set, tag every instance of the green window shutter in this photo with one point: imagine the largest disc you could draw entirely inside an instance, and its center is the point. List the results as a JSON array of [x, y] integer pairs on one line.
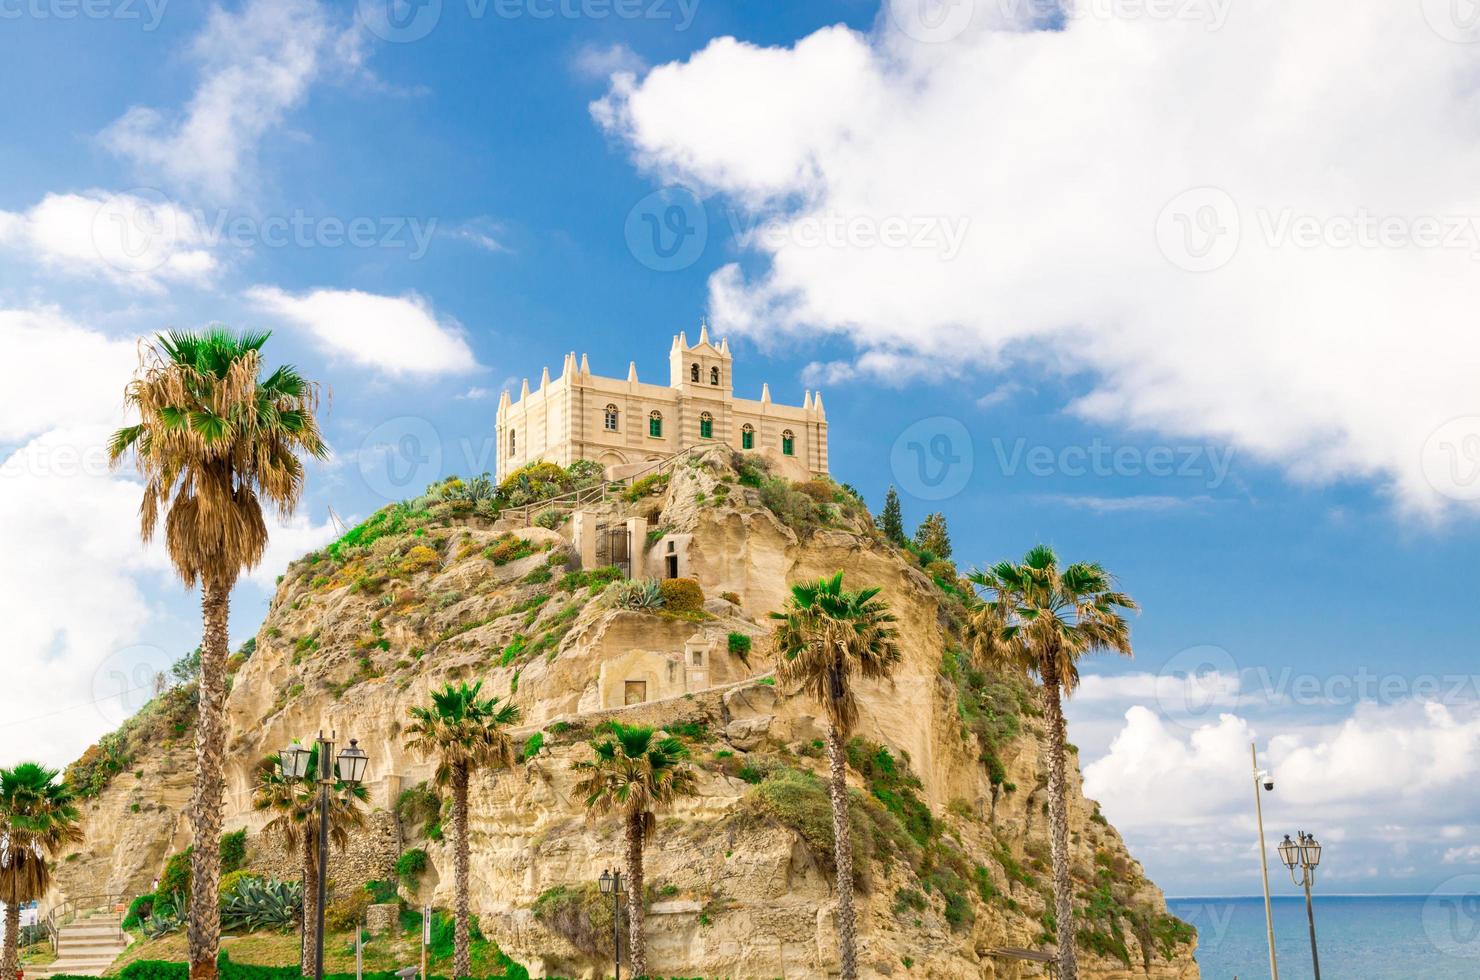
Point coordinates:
[[787, 447], [655, 428], [747, 439], [706, 429]]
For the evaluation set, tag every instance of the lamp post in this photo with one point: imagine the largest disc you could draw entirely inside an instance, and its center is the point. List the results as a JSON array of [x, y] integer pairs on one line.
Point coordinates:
[[1264, 783], [351, 768], [612, 884], [1304, 853]]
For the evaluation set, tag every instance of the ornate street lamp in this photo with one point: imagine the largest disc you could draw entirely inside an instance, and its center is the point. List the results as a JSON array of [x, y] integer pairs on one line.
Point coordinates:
[[612, 884], [351, 767], [1305, 853]]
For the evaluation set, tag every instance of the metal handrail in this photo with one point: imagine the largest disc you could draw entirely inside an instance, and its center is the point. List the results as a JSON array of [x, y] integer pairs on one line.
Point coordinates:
[[67, 912], [602, 490]]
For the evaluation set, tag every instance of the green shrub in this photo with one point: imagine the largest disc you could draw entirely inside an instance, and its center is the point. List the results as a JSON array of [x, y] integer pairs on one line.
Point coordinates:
[[549, 518], [681, 595], [419, 805], [176, 875], [347, 913], [539, 576], [648, 486], [138, 910], [792, 507], [532, 746], [410, 866], [381, 891], [233, 850], [739, 645]]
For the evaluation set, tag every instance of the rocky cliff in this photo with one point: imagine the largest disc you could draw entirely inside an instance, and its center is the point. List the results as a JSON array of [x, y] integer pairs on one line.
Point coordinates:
[[951, 809]]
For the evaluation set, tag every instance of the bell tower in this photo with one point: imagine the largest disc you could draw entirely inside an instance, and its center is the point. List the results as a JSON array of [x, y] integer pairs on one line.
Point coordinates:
[[702, 367]]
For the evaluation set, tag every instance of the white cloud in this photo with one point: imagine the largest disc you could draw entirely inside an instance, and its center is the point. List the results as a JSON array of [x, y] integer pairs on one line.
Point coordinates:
[[1385, 773], [139, 240], [256, 66], [1067, 153], [1118, 505], [397, 335], [603, 61]]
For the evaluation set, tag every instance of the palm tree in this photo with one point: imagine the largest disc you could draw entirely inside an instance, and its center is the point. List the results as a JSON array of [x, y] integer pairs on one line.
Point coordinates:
[[213, 439], [635, 772], [295, 803], [37, 819], [825, 637], [465, 734], [1039, 619]]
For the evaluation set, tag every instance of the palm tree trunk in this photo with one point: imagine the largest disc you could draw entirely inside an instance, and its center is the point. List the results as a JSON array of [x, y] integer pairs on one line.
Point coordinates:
[[309, 932], [10, 964], [204, 931], [462, 964], [1058, 820], [842, 852], [636, 950]]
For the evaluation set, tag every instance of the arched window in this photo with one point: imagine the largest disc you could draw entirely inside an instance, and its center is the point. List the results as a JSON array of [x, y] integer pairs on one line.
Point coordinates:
[[611, 418], [714, 376], [788, 444], [747, 436], [706, 426], [694, 372], [512, 449], [655, 424]]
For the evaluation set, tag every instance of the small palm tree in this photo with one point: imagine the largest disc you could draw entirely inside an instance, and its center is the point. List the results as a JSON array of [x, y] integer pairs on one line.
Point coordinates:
[[295, 805], [464, 733], [213, 439], [824, 638], [37, 819], [633, 773], [1040, 619]]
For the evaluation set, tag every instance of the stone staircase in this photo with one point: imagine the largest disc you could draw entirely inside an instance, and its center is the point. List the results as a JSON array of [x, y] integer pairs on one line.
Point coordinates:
[[87, 947]]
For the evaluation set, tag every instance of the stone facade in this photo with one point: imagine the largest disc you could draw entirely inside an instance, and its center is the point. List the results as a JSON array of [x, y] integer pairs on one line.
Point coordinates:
[[371, 854], [628, 425]]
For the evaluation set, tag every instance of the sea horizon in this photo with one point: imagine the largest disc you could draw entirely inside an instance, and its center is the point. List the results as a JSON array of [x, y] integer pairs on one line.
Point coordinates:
[[1435, 936]]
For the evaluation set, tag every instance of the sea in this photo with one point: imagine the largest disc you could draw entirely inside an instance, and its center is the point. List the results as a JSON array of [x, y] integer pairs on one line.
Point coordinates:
[[1397, 937]]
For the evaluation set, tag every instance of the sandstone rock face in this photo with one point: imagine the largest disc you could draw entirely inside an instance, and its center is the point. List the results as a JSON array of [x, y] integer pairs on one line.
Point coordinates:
[[739, 895]]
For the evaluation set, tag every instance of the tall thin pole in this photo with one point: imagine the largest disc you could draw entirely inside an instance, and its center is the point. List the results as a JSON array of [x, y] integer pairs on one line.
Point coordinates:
[[1310, 918], [326, 750], [1274, 970], [617, 925]]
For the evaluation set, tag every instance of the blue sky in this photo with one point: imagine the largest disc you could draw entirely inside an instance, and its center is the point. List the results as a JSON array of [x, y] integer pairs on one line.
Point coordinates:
[[1252, 431]]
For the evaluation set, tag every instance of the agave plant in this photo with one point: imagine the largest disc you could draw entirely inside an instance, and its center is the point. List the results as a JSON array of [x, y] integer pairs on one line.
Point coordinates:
[[637, 594], [165, 917], [259, 904]]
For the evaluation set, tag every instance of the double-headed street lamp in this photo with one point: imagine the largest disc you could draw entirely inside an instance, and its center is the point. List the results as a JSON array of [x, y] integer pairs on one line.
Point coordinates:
[[351, 771], [612, 884], [1304, 853]]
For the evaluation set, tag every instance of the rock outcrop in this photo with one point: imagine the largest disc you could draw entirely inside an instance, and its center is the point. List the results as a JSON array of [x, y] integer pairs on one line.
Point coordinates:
[[948, 760]]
